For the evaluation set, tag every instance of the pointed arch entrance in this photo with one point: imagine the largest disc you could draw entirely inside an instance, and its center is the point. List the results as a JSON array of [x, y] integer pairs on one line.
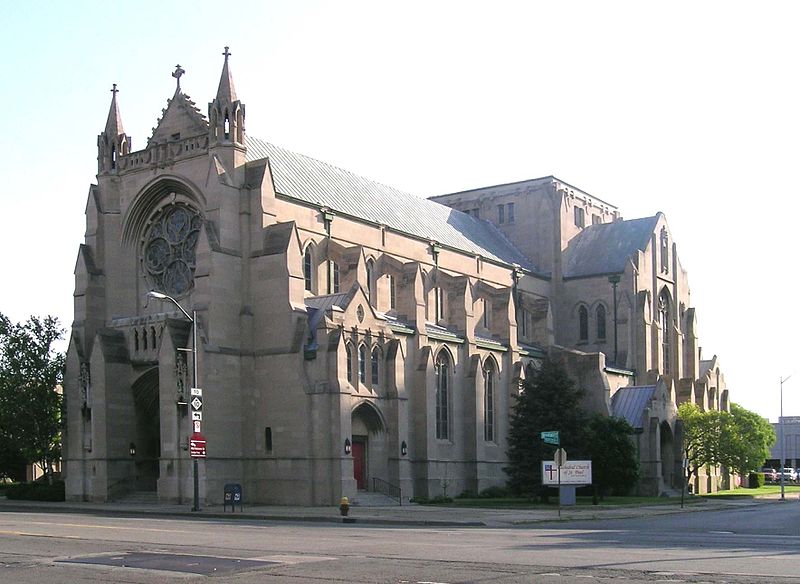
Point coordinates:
[[148, 430], [667, 455], [370, 445]]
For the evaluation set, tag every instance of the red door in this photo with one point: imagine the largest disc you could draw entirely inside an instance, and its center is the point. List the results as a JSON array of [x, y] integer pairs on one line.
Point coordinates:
[[359, 464]]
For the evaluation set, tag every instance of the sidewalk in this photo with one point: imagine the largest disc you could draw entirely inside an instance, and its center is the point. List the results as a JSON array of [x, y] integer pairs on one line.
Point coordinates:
[[411, 515]]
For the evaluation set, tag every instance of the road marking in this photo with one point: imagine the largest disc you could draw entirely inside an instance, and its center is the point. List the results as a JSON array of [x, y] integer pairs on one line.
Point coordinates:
[[92, 526], [28, 534], [722, 532]]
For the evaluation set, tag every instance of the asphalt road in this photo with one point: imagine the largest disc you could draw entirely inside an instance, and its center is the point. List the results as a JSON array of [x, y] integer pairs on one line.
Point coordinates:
[[747, 545]]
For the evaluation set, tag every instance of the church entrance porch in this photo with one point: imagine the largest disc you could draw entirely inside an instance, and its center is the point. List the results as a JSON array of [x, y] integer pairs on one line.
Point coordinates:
[[369, 451]]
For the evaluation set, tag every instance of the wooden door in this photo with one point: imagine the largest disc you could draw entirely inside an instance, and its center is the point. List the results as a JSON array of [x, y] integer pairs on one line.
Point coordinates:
[[360, 464]]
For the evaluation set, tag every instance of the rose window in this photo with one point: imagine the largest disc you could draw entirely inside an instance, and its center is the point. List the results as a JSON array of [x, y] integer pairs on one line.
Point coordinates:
[[169, 249]]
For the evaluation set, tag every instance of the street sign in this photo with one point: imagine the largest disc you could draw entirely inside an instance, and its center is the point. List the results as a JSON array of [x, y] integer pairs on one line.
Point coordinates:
[[551, 437], [197, 445], [196, 391], [197, 403], [560, 457], [196, 424], [197, 416]]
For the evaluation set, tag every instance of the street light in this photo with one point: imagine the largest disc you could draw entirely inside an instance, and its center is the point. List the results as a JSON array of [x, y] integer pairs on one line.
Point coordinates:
[[783, 446], [193, 319]]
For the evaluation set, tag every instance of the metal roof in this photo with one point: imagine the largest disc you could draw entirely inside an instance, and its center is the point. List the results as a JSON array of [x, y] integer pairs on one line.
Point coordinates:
[[629, 403], [605, 248], [321, 184]]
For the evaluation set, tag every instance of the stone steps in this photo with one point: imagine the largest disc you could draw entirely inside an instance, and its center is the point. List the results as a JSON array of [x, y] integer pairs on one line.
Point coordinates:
[[372, 499]]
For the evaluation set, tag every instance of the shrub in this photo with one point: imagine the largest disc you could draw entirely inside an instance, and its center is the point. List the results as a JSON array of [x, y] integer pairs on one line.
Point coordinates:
[[439, 499], [495, 492], [755, 480], [36, 491], [467, 494]]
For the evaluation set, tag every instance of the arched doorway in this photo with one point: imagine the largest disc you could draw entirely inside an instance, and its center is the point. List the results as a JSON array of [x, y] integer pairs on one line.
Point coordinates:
[[369, 445], [667, 455], [148, 431]]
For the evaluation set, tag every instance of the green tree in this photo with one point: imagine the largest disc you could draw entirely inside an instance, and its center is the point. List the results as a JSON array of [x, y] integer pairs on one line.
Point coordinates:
[[615, 463], [745, 440], [702, 432], [549, 400], [30, 407]]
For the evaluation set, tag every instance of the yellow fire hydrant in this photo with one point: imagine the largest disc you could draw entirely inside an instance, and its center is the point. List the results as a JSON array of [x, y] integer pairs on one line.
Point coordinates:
[[344, 506]]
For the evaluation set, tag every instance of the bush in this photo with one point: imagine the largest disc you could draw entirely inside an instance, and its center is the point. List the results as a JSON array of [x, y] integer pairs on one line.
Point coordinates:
[[467, 495], [756, 480], [494, 493], [36, 491]]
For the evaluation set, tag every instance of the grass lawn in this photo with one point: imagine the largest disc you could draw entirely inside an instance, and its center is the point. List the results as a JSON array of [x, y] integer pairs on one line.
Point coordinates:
[[522, 503], [761, 491]]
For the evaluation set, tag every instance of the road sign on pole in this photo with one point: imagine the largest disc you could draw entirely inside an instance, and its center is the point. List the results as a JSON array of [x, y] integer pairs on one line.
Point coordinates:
[[197, 445], [551, 437], [560, 457]]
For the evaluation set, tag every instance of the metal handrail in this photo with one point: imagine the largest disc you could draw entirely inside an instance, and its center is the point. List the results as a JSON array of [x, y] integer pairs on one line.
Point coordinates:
[[388, 489]]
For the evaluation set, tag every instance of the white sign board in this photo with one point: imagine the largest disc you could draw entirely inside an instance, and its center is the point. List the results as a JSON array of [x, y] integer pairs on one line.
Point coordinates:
[[574, 472]]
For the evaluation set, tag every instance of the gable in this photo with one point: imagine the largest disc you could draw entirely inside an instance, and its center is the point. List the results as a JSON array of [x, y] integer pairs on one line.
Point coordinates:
[[181, 117]]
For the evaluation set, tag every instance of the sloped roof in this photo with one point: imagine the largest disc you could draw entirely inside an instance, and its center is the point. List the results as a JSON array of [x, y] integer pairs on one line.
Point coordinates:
[[629, 403], [605, 248], [318, 183]]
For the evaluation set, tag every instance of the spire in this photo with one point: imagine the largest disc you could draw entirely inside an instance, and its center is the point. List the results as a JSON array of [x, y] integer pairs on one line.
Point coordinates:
[[113, 142], [114, 122], [226, 112], [226, 91]]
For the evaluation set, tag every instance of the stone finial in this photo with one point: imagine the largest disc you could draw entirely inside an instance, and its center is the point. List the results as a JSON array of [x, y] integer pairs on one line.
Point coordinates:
[[179, 71]]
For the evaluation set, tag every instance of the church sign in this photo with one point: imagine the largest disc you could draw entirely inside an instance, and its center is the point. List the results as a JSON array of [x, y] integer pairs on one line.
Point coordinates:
[[573, 472]]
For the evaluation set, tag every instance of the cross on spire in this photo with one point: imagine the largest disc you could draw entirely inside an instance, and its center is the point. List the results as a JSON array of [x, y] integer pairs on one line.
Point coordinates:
[[114, 89], [227, 54], [177, 74]]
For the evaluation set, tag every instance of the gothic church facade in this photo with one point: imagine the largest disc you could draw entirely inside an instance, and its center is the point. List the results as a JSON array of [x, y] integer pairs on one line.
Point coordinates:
[[350, 337]]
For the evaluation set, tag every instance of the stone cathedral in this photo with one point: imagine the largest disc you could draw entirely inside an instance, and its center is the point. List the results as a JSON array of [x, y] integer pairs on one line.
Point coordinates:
[[350, 337]]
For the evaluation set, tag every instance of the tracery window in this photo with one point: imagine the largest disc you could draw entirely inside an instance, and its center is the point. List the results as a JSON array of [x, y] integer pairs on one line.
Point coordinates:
[[664, 321], [601, 322], [374, 361], [371, 281], [488, 402], [442, 370], [583, 324], [362, 364], [168, 249], [349, 349], [308, 268]]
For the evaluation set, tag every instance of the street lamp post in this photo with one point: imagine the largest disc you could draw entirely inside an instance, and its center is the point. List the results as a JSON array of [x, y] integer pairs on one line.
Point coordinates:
[[614, 279], [783, 446], [193, 319]]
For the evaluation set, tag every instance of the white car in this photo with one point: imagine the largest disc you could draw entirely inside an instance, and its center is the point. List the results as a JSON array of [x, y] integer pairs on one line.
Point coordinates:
[[788, 473]]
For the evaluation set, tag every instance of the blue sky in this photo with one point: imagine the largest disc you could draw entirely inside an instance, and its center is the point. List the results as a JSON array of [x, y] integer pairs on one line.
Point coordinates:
[[686, 108]]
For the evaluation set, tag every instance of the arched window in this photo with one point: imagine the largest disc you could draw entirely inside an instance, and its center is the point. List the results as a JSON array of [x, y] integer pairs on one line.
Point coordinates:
[[442, 369], [144, 339], [392, 293], [135, 340], [374, 366], [664, 321], [362, 364], [349, 350], [308, 268], [371, 281], [334, 287], [583, 324], [438, 301], [488, 402], [601, 322]]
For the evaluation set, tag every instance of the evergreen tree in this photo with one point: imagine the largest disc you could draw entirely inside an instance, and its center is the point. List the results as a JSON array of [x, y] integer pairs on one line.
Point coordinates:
[[549, 400]]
